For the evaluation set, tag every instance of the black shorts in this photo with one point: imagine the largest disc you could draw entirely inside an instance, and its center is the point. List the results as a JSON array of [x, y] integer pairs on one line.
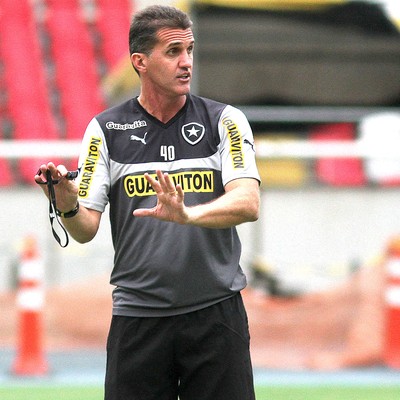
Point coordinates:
[[203, 355]]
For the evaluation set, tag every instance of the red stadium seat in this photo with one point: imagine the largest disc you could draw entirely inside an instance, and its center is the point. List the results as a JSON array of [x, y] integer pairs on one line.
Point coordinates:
[[24, 76], [113, 20], [6, 176], [74, 57], [338, 171]]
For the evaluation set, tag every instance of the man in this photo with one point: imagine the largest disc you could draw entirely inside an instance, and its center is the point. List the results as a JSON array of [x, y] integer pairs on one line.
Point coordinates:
[[179, 174]]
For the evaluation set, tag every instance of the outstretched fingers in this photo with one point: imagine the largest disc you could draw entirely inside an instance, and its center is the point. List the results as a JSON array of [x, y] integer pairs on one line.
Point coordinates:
[[165, 183], [170, 206]]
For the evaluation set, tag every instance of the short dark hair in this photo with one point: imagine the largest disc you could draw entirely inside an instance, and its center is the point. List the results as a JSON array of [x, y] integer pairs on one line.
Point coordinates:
[[147, 22]]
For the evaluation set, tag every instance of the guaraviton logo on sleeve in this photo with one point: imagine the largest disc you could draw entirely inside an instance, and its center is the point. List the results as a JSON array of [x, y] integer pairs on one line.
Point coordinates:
[[190, 181], [89, 166], [235, 139]]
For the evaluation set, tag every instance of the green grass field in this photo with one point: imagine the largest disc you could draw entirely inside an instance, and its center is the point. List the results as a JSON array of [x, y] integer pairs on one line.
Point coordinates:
[[263, 393]]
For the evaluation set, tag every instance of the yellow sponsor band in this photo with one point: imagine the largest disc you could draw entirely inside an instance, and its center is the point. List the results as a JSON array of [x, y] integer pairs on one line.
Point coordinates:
[[235, 139], [190, 181], [89, 166]]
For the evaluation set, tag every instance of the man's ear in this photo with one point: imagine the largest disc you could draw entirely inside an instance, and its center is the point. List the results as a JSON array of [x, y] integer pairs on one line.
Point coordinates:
[[138, 61]]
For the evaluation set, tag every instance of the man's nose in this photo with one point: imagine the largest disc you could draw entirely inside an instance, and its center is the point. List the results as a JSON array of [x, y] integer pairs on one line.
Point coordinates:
[[186, 60]]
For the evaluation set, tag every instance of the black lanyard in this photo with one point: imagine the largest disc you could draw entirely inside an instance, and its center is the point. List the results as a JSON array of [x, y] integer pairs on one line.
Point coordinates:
[[50, 182]]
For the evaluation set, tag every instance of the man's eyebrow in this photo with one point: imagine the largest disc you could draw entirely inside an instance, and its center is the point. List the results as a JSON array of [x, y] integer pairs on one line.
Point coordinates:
[[179, 43]]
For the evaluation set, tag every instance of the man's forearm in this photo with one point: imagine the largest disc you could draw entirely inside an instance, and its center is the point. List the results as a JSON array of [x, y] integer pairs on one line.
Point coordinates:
[[84, 225], [236, 206]]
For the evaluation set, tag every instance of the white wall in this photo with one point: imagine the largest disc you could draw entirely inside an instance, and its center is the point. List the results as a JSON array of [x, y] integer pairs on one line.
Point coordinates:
[[305, 231], [322, 233], [25, 213]]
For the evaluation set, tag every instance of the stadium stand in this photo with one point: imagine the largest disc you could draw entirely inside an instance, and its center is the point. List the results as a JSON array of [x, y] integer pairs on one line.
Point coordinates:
[[282, 172], [338, 171], [76, 74], [6, 177], [59, 86], [27, 94], [113, 20]]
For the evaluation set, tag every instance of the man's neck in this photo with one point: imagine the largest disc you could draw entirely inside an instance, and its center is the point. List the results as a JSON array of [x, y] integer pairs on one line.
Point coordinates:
[[161, 107]]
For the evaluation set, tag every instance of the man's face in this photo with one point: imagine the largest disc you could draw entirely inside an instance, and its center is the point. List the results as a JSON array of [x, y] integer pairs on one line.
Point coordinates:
[[170, 64]]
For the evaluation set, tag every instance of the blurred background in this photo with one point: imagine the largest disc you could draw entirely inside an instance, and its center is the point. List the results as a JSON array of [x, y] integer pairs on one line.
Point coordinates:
[[320, 84]]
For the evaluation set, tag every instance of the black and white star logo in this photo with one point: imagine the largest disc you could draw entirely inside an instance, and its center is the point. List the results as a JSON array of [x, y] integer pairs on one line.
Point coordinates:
[[193, 132]]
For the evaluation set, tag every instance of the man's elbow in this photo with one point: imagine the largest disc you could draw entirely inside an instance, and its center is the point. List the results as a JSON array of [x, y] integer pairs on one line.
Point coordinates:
[[253, 208], [83, 238], [253, 213]]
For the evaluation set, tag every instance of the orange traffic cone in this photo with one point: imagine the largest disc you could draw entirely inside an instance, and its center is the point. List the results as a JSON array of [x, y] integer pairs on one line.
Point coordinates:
[[391, 354], [30, 359]]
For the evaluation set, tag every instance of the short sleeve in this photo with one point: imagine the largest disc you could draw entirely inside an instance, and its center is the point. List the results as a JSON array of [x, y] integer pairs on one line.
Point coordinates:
[[236, 147], [94, 174]]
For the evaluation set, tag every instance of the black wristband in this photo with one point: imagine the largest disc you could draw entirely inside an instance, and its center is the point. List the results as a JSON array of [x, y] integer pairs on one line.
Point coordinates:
[[69, 214]]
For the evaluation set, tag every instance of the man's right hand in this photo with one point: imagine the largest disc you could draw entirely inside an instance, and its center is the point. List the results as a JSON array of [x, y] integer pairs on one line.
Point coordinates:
[[66, 191]]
